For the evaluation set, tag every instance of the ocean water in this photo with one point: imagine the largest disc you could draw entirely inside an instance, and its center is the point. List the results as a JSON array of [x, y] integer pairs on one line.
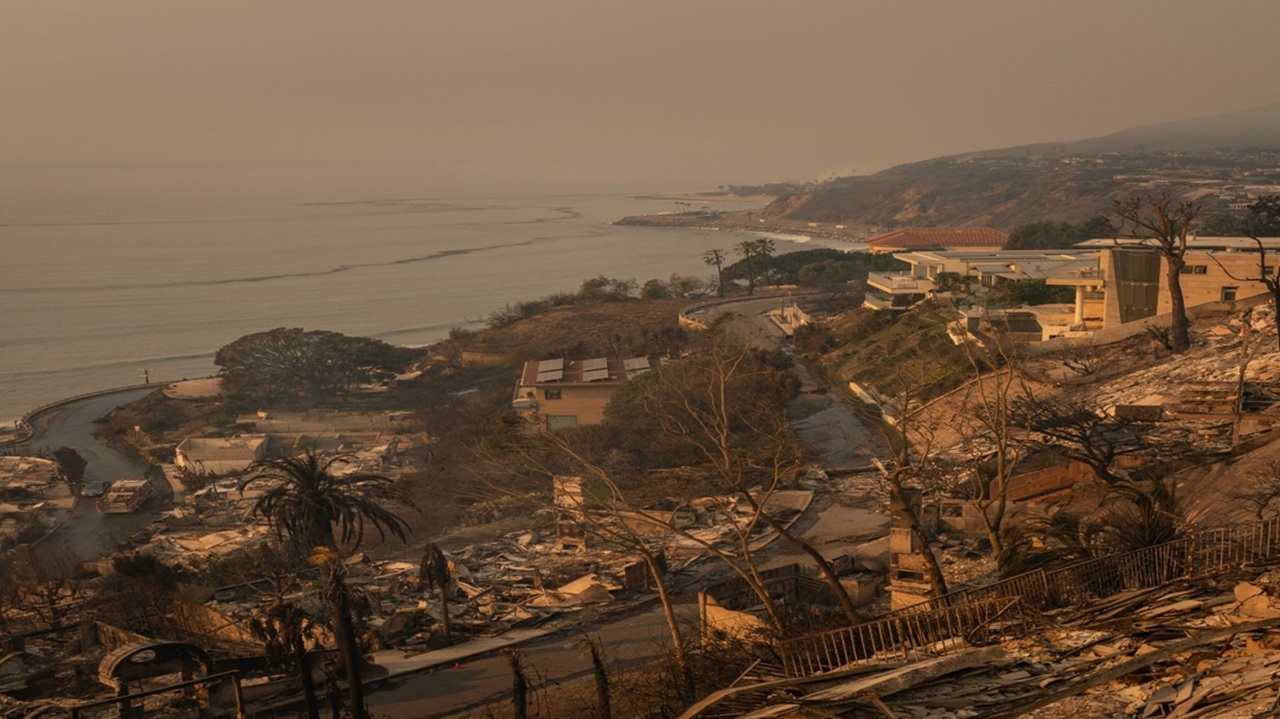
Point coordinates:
[[107, 272]]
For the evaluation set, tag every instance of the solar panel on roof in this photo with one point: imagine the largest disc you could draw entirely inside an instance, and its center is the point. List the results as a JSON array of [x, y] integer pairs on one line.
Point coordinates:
[[550, 364], [554, 375], [592, 365], [636, 363], [595, 375]]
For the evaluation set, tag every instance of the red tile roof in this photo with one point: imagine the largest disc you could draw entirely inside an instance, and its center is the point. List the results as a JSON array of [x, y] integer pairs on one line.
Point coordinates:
[[915, 238]]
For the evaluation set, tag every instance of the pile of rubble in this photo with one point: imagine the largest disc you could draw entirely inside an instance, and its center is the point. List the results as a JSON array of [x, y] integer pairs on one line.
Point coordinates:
[[1203, 649], [33, 498], [521, 579]]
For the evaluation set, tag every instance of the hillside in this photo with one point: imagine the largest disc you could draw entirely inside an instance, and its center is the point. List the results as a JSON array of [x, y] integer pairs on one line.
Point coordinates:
[[1254, 128], [1217, 160]]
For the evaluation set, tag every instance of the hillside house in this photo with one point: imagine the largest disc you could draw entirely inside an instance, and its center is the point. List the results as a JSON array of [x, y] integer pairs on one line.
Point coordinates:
[[1116, 281], [982, 268], [1218, 269], [559, 393]]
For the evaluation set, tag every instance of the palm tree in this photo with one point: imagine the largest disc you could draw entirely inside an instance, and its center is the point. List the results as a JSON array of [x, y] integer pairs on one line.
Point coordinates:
[[765, 248], [434, 571], [308, 505], [716, 257], [747, 251], [311, 499]]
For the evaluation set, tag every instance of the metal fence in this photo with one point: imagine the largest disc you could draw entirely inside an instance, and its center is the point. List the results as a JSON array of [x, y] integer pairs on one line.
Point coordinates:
[[902, 636], [902, 633], [1202, 554]]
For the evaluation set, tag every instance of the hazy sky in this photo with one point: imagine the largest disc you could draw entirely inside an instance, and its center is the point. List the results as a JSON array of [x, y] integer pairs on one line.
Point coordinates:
[[674, 91]]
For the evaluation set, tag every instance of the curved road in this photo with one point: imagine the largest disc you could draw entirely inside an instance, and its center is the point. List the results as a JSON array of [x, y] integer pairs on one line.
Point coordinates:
[[89, 534], [824, 417]]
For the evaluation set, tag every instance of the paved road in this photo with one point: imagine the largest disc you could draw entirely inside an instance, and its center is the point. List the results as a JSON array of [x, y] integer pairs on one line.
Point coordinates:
[[825, 418], [556, 660], [89, 534], [752, 323]]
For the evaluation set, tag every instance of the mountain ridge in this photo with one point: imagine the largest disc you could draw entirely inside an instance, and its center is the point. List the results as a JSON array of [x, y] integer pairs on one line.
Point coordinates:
[[1214, 159]]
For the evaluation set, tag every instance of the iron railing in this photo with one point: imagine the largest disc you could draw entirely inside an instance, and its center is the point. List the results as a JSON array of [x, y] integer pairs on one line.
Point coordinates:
[[901, 633], [903, 636]]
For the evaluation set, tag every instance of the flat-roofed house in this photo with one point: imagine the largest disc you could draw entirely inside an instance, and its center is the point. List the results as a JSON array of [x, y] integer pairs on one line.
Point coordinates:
[[988, 268], [1216, 269], [560, 393], [220, 455]]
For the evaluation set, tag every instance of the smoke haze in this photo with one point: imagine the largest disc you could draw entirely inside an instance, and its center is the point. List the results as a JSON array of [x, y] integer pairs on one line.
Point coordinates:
[[667, 92]]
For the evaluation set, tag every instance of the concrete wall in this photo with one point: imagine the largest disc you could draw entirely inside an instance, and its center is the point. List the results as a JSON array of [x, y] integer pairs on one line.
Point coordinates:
[[1198, 289], [1202, 283], [220, 455], [1125, 331], [1047, 480], [716, 621]]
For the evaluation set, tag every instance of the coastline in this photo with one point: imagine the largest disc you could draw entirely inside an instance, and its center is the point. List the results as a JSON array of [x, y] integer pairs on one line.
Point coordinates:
[[748, 221], [761, 200]]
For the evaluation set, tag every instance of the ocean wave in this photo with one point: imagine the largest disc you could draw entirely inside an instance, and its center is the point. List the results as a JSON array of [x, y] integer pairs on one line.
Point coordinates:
[[134, 362], [441, 254], [782, 236]]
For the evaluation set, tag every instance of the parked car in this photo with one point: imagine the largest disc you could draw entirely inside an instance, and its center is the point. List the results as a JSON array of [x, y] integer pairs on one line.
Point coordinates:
[[95, 489]]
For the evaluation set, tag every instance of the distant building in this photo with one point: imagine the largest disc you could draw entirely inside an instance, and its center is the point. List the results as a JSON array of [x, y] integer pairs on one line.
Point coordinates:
[[559, 394], [988, 268], [220, 455], [938, 238]]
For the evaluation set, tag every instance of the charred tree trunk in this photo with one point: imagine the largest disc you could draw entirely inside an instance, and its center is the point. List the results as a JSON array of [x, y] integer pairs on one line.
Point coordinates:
[[603, 699], [519, 687], [1179, 323], [344, 631], [898, 494], [300, 659]]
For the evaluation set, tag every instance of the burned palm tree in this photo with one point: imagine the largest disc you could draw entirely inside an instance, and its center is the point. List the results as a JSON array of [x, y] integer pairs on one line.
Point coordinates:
[[434, 572], [319, 509], [314, 506], [289, 633]]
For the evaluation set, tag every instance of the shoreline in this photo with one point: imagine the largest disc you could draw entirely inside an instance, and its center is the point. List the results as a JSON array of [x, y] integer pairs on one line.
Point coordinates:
[[761, 200], [747, 221]]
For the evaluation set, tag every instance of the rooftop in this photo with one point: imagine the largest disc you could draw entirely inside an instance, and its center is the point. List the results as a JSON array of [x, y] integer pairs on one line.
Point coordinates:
[[1194, 242], [922, 237], [559, 371]]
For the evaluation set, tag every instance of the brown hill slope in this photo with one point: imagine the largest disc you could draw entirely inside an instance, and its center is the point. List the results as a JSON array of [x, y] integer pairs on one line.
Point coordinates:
[[1215, 160]]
